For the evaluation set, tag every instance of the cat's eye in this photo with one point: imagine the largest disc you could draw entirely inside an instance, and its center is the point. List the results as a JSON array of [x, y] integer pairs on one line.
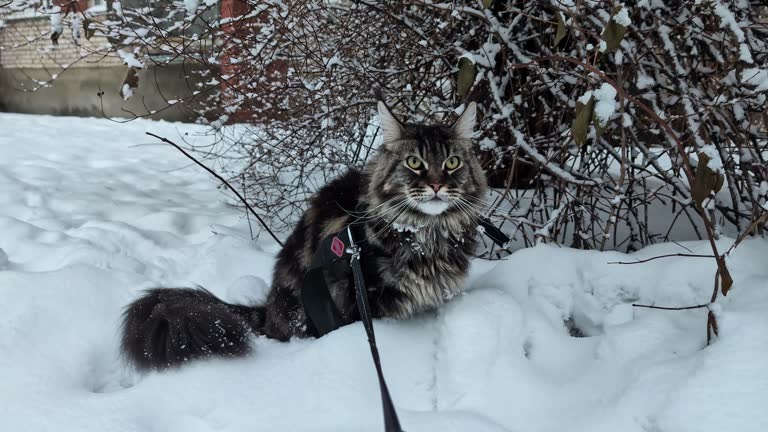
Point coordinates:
[[414, 163], [452, 163]]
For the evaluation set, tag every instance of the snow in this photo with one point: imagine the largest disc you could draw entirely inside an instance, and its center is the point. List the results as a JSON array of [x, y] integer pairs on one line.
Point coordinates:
[[405, 228], [75, 23], [555, 169], [118, 8], [56, 24], [715, 163], [584, 99], [130, 60], [755, 77], [126, 91], [745, 54], [92, 212], [605, 102], [469, 56], [486, 57], [622, 17], [333, 61], [664, 31], [728, 20], [644, 81], [618, 57], [487, 144], [191, 6]]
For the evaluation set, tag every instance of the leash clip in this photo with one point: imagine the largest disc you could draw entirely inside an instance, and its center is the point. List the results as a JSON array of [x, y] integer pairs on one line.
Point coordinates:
[[353, 247]]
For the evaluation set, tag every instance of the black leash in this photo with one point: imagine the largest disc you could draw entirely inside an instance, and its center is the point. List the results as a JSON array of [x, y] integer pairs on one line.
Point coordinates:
[[323, 315], [391, 422]]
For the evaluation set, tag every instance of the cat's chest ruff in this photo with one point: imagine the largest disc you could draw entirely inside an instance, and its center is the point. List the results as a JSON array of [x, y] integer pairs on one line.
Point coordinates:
[[427, 283], [416, 242], [429, 266]]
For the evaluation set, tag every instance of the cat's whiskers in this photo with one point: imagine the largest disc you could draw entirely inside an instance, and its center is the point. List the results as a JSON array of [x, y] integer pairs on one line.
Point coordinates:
[[472, 201], [391, 206], [389, 224], [383, 217], [470, 211], [394, 208], [477, 202], [465, 209]]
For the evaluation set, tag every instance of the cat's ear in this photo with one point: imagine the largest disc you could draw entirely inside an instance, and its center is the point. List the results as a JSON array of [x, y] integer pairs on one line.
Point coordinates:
[[391, 128], [464, 127]]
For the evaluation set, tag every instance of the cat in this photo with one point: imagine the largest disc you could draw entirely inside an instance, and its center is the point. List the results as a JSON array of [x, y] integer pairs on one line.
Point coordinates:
[[416, 205]]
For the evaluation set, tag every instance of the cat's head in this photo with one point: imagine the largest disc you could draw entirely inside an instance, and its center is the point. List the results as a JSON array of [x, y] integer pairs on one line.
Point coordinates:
[[427, 172]]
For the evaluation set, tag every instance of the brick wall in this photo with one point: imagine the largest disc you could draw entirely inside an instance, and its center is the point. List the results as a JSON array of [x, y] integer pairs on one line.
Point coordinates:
[[231, 9], [234, 86]]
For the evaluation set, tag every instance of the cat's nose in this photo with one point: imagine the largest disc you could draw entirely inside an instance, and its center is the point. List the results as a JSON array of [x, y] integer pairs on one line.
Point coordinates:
[[436, 187]]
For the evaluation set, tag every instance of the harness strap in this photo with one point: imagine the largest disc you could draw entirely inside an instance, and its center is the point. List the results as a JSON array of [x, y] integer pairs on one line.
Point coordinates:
[[493, 232], [323, 315]]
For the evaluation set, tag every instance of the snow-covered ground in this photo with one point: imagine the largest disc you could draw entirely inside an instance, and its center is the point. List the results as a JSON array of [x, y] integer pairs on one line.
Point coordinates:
[[91, 214]]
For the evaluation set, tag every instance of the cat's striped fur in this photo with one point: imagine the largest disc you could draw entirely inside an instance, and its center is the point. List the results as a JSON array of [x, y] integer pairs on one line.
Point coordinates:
[[418, 226]]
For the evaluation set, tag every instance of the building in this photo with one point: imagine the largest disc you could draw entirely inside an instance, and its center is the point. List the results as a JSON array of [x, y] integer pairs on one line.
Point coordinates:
[[84, 78]]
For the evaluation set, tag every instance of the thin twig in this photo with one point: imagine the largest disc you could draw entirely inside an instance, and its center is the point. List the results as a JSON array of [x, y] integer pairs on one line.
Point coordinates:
[[663, 256], [701, 306], [762, 219], [250, 228], [223, 180]]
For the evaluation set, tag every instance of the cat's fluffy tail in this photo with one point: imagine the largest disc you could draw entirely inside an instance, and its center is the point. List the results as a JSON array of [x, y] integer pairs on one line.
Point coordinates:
[[168, 326]]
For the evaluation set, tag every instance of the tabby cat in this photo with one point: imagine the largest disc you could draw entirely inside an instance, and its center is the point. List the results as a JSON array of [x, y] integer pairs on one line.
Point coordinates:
[[415, 204]]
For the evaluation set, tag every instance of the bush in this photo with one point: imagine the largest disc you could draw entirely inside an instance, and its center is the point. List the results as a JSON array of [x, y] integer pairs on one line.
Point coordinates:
[[603, 125]]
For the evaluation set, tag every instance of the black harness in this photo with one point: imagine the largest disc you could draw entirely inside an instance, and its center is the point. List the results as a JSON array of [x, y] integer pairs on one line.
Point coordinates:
[[324, 317]]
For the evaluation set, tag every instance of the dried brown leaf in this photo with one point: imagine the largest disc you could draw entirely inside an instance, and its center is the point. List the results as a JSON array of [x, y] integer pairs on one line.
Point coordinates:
[[613, 33], [562, 30], [130, 84], [466, 77], [706, 182], [584, 113]]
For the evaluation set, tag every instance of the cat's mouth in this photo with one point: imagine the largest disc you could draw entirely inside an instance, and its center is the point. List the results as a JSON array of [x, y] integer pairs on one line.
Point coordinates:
[[433, 207]]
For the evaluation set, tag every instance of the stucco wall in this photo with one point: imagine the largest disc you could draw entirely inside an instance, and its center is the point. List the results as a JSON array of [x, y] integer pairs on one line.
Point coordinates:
[[77, 93]]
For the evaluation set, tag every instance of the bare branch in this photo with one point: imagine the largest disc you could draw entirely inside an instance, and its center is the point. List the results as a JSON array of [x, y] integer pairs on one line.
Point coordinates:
[[223, 180]]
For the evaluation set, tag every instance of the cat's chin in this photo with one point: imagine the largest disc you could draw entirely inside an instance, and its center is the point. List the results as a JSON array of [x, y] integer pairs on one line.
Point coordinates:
[[432, 207]]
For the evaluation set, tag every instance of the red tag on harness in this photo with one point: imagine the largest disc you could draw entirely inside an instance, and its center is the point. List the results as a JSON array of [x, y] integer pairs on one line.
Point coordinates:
[[337, 247]]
